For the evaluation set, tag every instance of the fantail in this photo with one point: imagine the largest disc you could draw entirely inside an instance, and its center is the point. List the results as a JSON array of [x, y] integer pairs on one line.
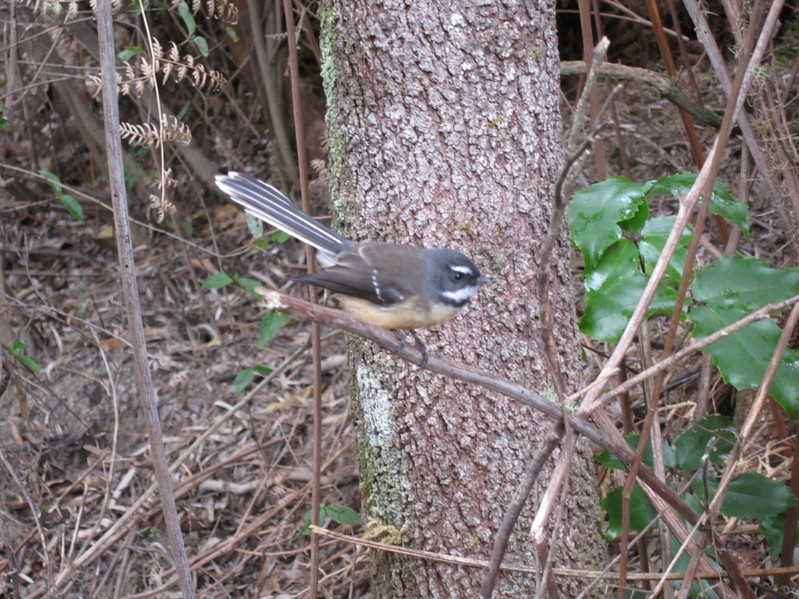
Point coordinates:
[[391, 285]]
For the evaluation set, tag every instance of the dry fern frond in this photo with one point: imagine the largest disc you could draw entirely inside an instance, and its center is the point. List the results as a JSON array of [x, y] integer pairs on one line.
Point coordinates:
[[156, 49], [161, 206], [180, 67], [72, 10], [94, 83], [173, 130], [145, 134], [148, 134], [116, 4], [165, 180], [223, 10], [139, 75]]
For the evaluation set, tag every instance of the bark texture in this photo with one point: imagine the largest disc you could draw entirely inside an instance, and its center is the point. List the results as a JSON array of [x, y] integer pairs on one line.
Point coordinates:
[[444, 131]]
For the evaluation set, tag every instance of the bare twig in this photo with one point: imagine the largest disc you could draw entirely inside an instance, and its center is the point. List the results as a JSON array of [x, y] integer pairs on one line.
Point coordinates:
[[302, 160], [567, 572], [664, 85], [131, 293]]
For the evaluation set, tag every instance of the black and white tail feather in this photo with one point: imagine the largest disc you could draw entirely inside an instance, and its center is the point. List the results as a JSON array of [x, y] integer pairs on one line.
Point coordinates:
[[270, 205]]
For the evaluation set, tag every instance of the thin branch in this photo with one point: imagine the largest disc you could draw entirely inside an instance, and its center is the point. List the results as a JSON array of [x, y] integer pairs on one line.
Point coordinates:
[[144, 380], [566, 572], [664, 85]]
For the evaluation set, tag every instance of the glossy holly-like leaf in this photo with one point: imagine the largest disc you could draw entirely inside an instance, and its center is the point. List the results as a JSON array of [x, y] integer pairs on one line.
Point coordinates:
[[742, 357], [641, 511], [596, 211], [653, 238], [610, 461], [744, 282], [713, 435], [614, 289], [721, 201], [752, 496]]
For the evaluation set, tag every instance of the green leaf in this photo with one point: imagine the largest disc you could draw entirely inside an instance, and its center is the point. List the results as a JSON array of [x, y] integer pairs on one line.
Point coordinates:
[[254, 224], [72, 205], [261, 244], [610, 461], [243, 379], [5, 123], [744, 282], [246, 377], [188, 18], [730, 290], [641, 511], [129, 52], [773, 529], [653, 238], [723, 204], [753, 496], [280, 236], [232, 34], [305, 527], [634, 224], [184, 110], [17, 350], [673, 184], [594, 214], [742, 358], [201, 45], [721, 201], [715, 432], [342, 514], [53, 180], [217, 281], [249, 285], [270, 326], [614, 288]]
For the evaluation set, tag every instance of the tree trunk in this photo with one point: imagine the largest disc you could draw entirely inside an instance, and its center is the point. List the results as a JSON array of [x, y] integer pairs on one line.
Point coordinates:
[[444, 131]]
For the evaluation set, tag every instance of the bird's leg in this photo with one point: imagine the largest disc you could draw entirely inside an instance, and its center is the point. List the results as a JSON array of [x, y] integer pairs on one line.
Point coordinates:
[[420, 346], [400, 334]]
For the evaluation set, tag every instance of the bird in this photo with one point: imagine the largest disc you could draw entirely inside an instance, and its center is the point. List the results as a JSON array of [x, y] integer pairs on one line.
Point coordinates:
[[395, 286]]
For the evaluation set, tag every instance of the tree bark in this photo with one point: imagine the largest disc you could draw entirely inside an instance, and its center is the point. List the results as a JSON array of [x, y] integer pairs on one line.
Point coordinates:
[[444, 131]]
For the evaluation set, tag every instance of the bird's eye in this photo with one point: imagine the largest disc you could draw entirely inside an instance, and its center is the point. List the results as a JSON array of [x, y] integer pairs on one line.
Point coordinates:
[[457, 276]]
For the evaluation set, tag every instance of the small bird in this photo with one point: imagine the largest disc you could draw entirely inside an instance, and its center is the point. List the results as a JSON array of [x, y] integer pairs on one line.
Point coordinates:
[[392, 285]]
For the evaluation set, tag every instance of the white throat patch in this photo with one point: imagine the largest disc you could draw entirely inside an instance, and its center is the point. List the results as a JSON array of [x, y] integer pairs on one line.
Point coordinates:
[[462, 295]]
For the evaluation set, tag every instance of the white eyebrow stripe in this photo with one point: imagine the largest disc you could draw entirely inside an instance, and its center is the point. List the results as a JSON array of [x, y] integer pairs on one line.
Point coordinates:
[[467, 270]]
